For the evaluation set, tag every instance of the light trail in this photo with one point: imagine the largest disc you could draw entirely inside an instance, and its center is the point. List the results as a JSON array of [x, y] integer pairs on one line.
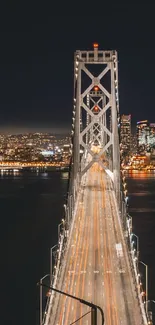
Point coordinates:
[[107, 279], [69, 277], [93, 262]]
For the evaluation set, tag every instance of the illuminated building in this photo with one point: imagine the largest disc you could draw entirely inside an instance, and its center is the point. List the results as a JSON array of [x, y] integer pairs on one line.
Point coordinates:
[[47, 153], [145, 136], [151, 139], [125, 133], [32, 146], [142, 133], [66, 148]]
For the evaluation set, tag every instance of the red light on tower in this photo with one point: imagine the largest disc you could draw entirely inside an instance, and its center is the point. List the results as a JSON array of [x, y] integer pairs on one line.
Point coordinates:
[[96, 109], [95, 45], [96, 88]]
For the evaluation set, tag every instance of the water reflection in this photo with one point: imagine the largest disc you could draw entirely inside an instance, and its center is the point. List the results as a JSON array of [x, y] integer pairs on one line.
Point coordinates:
[[64, 175], [140, 174]]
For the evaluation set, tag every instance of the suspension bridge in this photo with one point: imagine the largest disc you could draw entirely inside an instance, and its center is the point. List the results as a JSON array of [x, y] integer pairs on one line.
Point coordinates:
[[94, 257]]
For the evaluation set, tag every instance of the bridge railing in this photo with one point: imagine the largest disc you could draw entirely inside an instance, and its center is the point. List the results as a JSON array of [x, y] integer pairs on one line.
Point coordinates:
[[133, 257], [132, 254], [54, 280], [64, 240]]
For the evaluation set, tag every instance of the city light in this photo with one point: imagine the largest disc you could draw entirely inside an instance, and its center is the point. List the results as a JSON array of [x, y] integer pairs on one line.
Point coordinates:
[[33, 149]]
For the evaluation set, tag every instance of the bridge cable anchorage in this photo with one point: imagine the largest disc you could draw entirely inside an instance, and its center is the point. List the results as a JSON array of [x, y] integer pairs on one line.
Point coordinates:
[[82, 301]]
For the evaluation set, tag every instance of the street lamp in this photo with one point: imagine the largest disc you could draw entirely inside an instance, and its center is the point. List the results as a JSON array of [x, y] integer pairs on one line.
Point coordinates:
[[137, 238], [146, 280], [82, 301], [62, 223], [150, 314], [130, 222], [65, 207], [51, 262], [41, 297]]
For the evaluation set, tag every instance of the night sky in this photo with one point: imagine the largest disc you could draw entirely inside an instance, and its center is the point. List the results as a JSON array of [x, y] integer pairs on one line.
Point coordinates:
[[36, 63]]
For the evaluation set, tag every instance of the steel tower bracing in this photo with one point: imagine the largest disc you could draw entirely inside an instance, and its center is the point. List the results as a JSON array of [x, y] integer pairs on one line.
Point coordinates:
[[95, 114]]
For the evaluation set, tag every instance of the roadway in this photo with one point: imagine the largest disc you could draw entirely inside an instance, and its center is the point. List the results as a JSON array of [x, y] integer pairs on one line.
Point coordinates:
[[96, 266]]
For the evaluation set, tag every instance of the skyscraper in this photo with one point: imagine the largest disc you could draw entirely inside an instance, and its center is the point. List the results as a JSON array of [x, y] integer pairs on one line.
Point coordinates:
[[151, 139], [143, 132], [125, 133]]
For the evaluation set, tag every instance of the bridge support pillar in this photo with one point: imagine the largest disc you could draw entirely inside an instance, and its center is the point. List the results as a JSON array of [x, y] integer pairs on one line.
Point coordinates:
[[95, 114]]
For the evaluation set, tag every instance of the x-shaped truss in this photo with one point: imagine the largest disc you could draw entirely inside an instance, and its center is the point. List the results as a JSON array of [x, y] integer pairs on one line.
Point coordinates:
[[95, 81]]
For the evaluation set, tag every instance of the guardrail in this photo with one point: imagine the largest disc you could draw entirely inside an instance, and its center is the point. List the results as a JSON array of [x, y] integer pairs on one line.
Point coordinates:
[[137, 275], [64, 246], [50, 300]]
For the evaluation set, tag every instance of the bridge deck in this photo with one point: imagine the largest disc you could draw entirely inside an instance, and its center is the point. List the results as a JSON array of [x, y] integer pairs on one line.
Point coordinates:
[[97, 267]]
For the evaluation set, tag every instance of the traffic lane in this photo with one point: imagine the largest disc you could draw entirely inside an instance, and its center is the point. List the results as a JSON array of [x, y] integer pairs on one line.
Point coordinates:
[[72, 253], [127, 307], [120, 273], [105, 262], [119, 269], [100, 275], [65, 303], [121, 309], [86, 281], [98, 246], [66, 279], [81, 271], [73, 308], [130, 299], [115, 294], [109, 292], [99, 255], [112, 307], [88, 278], [93, 285], [83, 276]]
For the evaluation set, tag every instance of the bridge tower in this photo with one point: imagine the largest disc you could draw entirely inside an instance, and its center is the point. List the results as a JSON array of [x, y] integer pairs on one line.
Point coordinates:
[[96, 115]]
